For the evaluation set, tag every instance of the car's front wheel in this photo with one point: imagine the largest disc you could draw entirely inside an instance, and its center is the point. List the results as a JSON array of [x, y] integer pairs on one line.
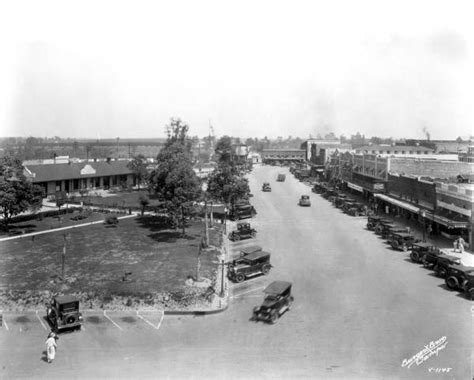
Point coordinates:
[[273, 316], [415, 257], [452, 283], [240, 277], [425, 262]]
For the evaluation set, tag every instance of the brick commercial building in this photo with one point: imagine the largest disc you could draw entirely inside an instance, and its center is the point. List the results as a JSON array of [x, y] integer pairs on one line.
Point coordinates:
[[283, 156], [427, 190], [75, 176]]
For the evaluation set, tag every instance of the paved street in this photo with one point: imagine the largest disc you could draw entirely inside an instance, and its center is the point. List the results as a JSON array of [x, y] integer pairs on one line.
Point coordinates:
[[360, 309]]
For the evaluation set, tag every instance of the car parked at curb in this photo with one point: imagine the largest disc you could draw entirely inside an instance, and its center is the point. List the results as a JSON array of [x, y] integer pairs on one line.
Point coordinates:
[[373, 221], [439, 262], [402, 241], [249, 265], [242, 211], [278, 300], [304, 201], [383, 224], [63, 313], [457, 275], [354, 208], [250, 249], [389, 229], [420, 249], [243, 231]]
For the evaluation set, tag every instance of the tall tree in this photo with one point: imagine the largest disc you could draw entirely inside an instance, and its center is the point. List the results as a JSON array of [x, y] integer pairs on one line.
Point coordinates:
[[17, 194], [138, 166], [174, 180]]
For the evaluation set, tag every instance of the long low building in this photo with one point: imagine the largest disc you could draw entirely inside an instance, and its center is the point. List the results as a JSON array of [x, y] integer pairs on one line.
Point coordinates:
[[76, 176]]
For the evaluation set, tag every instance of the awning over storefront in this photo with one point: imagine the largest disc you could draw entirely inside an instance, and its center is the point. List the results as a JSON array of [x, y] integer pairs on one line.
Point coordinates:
[[398, 203], [447, 220], [355, 187]]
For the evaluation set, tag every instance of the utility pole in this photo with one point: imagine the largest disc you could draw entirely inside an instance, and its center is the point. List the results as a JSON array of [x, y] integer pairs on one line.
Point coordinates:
[[63, 256], [207, 225]]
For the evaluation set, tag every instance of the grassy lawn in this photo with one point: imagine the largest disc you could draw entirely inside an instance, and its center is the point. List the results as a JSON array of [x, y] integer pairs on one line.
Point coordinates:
[[97, 258]]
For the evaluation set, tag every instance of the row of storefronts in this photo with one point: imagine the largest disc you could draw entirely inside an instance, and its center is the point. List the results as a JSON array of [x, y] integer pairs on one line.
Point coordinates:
[[399, 186]]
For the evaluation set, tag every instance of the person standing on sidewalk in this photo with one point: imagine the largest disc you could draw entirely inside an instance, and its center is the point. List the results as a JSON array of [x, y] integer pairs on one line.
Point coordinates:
[[51, 346]]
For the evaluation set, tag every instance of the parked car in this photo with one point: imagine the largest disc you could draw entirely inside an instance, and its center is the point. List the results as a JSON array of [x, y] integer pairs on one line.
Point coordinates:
[[266, 187], [281, 177], [457, 275], [304, 201], [278, 300], [319, 188], [402, 241], [390, 229], [250, 249], [373, 221], [244, 231], [330, 193], [242, 211], [339, 200], [354, 208], [383, 224], [63, 313], [249, 265], [439, 262], [420, 249]]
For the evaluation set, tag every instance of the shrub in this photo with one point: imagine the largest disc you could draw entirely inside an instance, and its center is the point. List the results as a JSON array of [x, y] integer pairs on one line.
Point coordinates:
[[111, 220]]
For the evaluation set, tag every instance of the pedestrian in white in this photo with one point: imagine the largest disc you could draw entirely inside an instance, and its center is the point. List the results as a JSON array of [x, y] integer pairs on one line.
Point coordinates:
[[51, 346]]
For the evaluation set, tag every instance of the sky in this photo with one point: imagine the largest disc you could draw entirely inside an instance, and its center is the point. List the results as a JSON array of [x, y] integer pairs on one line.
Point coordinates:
[[106, 69]]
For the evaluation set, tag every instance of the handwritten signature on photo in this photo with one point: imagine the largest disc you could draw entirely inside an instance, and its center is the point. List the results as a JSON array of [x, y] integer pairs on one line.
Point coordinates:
[[430, 349]]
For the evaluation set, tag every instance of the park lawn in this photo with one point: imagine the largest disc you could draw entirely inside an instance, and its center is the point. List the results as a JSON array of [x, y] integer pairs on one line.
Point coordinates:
[[97, 258]]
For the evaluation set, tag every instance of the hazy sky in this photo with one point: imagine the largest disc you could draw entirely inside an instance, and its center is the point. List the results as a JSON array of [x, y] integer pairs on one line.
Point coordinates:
[[253, 68]]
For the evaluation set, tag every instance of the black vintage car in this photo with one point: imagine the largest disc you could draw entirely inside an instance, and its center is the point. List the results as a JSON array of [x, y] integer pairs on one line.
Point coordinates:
[[439, 261], [304, 201], [330, 193], [281, 177], [354, 208], [278, 299], [250, 249], [244, 231], [420, 249], [266, 187], [383, 224], [389, 229], [457, 275], [242, 211], [373, 221], [402, 241], [339, 200], [63, 313], [249, 265]]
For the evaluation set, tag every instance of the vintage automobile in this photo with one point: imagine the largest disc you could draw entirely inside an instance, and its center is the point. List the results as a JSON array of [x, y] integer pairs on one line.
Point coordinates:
[[278, 299], [63, 313], [281, 177], [266, 187], [244, 231], [402, 241], [440, 262], [383, 224], [330, 193], [390, 229], [250, 249], [373, 221], [353, 208], [249, 265], [420, 249], [304, 201], [339, 199], [319, 188], [457, 275], [242, 211]]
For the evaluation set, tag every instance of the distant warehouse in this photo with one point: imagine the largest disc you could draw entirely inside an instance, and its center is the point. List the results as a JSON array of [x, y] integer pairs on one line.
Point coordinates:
[[76, 176]]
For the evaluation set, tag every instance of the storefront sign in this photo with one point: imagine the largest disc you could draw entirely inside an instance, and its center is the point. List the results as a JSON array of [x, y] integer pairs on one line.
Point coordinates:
[[355, 187], [379, 186]]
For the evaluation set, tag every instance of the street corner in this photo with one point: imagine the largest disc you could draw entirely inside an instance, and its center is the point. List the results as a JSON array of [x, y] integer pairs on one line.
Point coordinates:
[[130, 320]]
